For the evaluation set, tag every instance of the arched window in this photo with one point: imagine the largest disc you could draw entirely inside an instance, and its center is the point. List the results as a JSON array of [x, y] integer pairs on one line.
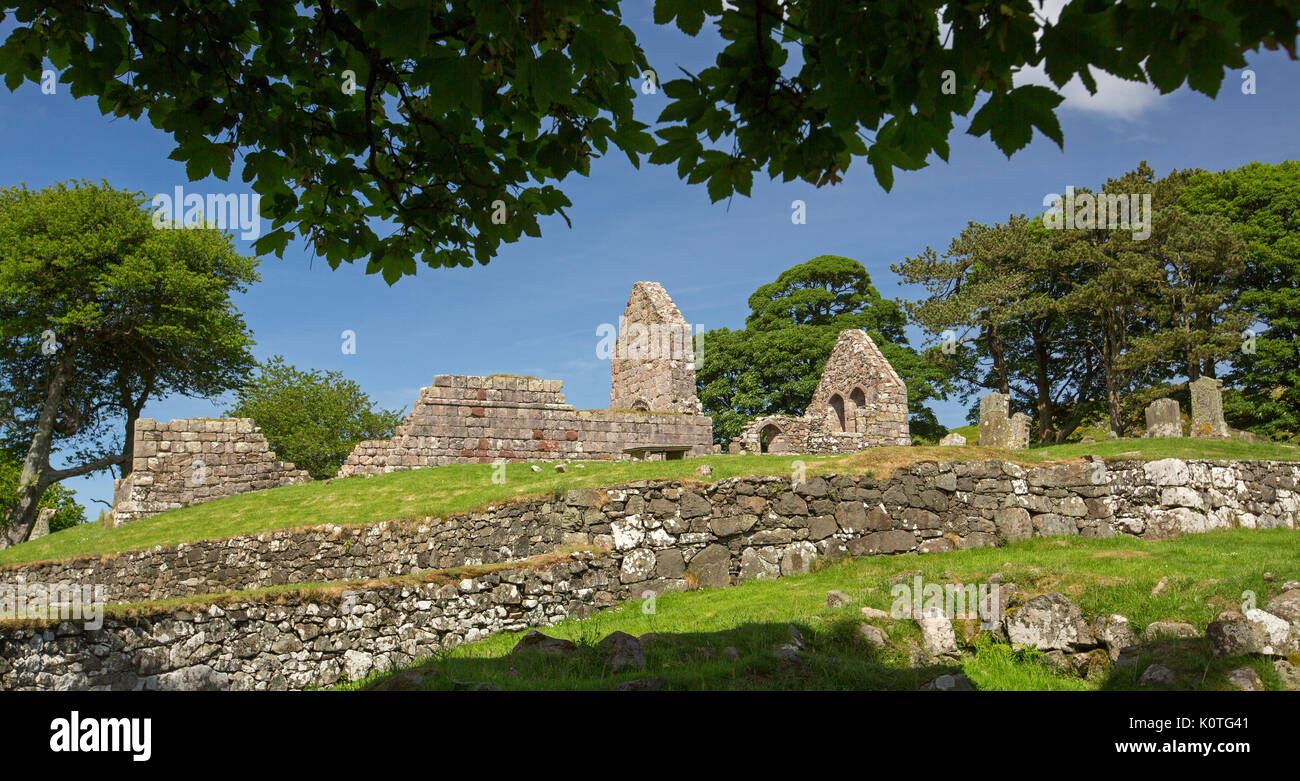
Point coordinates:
[[837, 405], [767, 435]]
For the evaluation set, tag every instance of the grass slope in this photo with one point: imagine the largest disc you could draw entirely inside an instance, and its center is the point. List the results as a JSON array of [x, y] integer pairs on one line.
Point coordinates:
[[440, 491], [1205, 573]]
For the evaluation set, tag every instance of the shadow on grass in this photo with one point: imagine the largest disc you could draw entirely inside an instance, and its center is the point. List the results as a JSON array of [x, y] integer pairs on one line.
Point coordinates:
[[742, 658], [1194, 665]]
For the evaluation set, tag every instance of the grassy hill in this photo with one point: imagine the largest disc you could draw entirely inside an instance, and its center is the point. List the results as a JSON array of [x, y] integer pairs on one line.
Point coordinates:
[[437, 492], [724, 638]]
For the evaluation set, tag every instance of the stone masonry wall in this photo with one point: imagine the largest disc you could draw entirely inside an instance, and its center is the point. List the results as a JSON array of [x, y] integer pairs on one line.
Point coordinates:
[[313, 640], [462, 419], [860, 402], [192, 461], [758, 521]]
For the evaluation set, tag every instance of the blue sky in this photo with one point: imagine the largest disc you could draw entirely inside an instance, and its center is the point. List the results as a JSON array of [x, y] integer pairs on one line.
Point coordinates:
[[535, 309]]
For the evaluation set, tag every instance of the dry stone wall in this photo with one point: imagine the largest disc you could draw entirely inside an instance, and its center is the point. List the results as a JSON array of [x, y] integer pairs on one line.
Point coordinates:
[[928, 507], [312, 640], [192, 461], [465, 419]]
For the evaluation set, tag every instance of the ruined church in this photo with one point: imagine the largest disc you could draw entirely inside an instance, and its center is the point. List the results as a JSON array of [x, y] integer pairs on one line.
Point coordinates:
[[860, 403]]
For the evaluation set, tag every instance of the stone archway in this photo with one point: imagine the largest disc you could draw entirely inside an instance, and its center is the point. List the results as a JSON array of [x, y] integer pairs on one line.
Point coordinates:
[[837, 410], [768, 435]]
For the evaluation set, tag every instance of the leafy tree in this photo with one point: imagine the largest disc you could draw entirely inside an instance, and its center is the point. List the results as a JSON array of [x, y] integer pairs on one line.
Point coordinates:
[[99, 313], [312, 418], [1073, 317], [67, 512], [773, 365], [995, 299], [463, 109], [1263, 203]]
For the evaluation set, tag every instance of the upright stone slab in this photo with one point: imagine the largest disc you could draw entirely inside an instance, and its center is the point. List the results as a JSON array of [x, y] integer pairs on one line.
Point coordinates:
[[993, 420], [42, 525], [1018, 431], [953, 440], [1207, 409], [1164, 418]]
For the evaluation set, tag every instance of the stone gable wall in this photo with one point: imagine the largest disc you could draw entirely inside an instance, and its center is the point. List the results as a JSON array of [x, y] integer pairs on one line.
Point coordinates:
[[192, 461], [466, 419], [858, 384], [653, 365]]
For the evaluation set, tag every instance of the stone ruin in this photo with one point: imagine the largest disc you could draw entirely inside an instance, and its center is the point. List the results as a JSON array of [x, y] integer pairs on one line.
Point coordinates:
[[999, 430], [653, 365], [1207, 409], [1164, 419], [860, 403], [472, 419], [187, 462]]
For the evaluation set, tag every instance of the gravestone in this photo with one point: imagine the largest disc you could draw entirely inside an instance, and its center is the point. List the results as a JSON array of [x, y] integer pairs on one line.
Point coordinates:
[[1207, 409], [1164, 418], [42, 525], [953, 439], [1017, 437], [993, 420]]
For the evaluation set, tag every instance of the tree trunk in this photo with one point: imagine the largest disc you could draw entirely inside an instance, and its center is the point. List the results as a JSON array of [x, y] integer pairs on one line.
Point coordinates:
[[999, 360], [1043, 385], [36, 465]]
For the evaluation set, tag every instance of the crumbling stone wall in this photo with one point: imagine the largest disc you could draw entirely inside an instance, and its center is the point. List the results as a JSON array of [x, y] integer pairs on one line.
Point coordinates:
[[463, 419], [860, 403], [653, 365], [196, 460], [926, 507], [467, 419]]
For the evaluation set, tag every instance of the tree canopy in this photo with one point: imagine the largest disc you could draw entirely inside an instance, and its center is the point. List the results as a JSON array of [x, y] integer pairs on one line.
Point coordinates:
[[99, 313], [1091, 321], [772, 365], [439, 130], [312, 418]]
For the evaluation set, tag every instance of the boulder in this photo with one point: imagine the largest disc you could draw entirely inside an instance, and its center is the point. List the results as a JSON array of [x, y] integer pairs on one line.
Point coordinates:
[[1158, 629], [873, 636], [953, 440], [937, 636], [837, 598], [1246, 679], [955, 682], [1115, 633], [535, 641], [1049, 622], [710, 567], [1157, 675], [624, 652]]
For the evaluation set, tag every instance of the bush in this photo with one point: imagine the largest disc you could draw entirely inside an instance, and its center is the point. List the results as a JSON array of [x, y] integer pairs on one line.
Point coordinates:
[[312, 418]]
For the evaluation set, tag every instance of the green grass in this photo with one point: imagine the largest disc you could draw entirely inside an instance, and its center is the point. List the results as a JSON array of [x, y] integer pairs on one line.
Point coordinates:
[[440, 491], [1206, 573]]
